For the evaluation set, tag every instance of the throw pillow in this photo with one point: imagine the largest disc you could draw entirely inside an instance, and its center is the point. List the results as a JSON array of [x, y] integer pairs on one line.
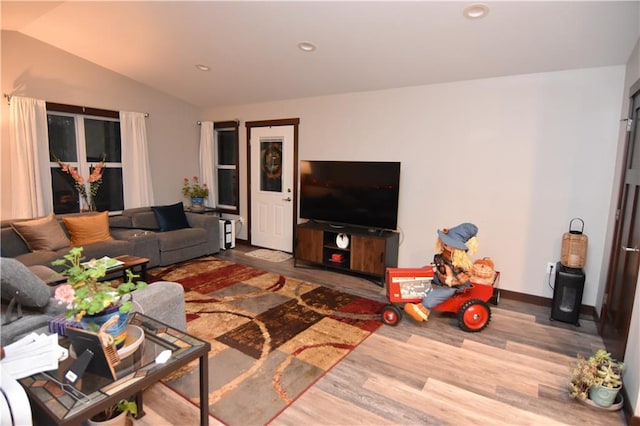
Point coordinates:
[[88, 228], [44, 233], [171, 217], [18, 281]]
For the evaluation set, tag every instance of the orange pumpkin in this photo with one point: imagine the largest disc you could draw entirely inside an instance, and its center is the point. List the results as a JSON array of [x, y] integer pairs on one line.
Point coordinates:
[[483, 268]]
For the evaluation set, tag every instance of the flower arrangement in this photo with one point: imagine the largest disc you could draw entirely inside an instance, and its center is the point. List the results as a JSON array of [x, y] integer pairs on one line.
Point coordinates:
[[95, 180], [84, 293], [194, 189]]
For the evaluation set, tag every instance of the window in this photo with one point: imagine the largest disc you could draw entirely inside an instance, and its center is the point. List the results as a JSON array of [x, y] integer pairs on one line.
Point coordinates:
[[82, 138], [226, 166]]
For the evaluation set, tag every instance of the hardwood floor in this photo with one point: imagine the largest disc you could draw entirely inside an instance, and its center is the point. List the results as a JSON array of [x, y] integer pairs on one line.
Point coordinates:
[[513, 372]]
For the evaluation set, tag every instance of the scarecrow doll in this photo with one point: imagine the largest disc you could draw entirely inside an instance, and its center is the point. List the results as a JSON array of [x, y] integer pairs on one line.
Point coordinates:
[[451, 268]]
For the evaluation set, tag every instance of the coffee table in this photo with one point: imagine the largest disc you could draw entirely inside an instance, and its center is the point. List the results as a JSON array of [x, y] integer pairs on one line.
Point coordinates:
[[131, 262], [53, 402]]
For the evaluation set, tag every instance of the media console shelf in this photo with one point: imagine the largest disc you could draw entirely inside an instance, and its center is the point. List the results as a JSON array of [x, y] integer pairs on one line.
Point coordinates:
[[363, 252]]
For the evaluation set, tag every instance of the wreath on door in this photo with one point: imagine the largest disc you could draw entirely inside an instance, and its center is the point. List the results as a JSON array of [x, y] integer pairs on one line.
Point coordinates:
[[272, 160]]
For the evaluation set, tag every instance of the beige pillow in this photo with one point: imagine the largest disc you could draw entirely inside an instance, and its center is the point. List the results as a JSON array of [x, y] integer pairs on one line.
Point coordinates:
[[88, 228], [44, 233]]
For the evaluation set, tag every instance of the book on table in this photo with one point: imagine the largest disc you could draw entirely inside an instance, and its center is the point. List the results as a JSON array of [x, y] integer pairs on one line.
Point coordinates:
[[106, 261]]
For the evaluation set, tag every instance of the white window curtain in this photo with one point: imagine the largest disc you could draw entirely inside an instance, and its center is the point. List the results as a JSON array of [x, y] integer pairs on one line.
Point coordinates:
[[207, 161], [136, 173], [29, 158]]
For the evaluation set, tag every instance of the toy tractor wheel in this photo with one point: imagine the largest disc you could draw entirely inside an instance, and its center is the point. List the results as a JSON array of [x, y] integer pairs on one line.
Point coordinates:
[[391, 315], [495, 299], [474, 315]]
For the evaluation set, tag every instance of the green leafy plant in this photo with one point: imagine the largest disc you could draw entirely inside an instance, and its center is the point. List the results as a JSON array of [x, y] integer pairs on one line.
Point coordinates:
[[115, 410], [600, 369], [84, 293], [194, 189]]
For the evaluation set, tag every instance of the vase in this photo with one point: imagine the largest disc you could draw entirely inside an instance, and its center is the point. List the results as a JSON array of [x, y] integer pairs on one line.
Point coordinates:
[[117, 331], [197, 203], [603, 396]]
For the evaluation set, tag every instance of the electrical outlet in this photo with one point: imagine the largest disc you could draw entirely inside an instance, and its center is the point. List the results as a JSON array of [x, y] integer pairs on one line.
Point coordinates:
[[551, 267], [241, 220]]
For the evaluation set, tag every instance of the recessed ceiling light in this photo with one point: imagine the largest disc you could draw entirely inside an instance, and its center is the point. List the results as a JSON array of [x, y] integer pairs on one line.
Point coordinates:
[[476, 10], [306, 46], [202, 67]]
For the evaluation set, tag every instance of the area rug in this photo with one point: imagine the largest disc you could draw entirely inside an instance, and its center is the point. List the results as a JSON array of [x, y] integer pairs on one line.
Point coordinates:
[[271, 336], [270, 255]]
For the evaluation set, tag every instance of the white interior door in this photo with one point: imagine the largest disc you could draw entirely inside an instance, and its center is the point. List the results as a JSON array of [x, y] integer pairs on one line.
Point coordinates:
[[272, 187]]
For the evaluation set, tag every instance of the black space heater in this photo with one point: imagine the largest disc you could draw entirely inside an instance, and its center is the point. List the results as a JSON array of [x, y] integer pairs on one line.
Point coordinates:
[[567, 294], [569, 283]]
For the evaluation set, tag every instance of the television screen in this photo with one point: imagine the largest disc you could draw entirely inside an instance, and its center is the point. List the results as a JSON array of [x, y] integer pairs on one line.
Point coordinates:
[[361, 193]]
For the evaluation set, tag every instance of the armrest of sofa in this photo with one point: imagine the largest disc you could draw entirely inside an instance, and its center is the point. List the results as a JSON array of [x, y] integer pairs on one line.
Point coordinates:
[[211, 224], [162, 301]]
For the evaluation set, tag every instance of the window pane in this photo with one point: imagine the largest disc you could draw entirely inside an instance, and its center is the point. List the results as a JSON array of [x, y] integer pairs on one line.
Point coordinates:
[[227, 147], [62, 138], [109, 196], [227, 187], [65, 196], [271, 166], [102, 138]]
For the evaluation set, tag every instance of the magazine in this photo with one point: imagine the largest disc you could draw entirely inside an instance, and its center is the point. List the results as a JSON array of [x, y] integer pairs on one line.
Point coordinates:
[[106, 261]]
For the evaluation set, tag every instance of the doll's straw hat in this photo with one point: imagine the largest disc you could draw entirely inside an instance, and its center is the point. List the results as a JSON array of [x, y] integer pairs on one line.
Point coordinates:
[[458, 235]]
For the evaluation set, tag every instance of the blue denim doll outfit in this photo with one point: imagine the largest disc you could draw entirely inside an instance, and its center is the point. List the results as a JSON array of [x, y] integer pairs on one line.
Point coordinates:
[[437, 294]]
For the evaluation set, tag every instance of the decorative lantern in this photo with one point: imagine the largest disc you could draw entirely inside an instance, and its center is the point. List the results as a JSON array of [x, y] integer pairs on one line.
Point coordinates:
[[574, 246]]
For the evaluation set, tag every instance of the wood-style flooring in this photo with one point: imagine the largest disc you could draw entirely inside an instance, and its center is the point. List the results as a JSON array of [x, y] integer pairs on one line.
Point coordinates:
[[514, 372]]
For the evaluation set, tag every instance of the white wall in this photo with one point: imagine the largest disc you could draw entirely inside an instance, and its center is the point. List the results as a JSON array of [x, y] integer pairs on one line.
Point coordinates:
[[37, 70], [519, 156]]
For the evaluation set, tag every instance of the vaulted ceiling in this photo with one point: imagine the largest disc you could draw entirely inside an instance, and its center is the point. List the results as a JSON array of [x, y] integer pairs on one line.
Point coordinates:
[[251, 47]]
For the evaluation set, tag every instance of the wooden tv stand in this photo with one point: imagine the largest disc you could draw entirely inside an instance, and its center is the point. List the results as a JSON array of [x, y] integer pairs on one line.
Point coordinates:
[[368, 252]]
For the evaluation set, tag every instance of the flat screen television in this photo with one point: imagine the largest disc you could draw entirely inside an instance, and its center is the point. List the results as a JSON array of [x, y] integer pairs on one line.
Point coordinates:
[[360, 193]]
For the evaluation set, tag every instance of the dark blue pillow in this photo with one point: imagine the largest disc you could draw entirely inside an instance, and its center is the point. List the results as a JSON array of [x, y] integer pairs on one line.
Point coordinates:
[[171, 217]]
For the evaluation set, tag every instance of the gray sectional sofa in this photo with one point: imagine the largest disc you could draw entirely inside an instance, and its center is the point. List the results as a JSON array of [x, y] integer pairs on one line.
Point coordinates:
[[163, 234], [135, 232]]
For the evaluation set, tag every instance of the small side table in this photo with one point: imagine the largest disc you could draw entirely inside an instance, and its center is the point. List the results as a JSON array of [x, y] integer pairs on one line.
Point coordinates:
[[206, 210], [54, 402]]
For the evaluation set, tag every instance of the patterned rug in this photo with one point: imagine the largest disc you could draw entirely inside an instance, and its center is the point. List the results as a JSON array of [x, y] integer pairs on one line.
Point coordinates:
[[271, 336]]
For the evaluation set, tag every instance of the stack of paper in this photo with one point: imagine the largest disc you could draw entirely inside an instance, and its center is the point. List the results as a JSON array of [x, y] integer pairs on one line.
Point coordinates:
[[32, 354]]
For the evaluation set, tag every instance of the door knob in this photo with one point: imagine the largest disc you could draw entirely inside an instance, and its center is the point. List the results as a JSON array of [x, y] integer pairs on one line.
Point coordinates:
[[631, 249], [286, 199]]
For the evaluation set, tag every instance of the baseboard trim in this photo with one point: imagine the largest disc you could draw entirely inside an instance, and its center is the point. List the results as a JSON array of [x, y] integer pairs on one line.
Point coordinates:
[[543, 301]]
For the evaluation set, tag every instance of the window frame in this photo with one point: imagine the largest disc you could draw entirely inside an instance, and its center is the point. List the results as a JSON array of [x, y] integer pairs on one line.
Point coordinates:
[[222, 126], [79, 114]]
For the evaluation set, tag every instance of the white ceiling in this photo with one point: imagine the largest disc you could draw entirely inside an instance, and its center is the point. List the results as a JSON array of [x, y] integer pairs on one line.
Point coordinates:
[[361, 46]]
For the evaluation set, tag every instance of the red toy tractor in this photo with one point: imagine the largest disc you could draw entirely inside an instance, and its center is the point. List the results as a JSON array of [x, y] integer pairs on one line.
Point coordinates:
[[408, 285]]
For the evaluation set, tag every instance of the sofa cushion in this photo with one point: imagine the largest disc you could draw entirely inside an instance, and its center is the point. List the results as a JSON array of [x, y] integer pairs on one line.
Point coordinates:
[[145, 220], [44, 233], [171, 217], [17, 281], [87, 229]]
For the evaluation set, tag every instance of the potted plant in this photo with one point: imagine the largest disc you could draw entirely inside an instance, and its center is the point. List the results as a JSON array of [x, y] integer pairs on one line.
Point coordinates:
[[115, 415], [597, 378], [93, 302], [196, 191]]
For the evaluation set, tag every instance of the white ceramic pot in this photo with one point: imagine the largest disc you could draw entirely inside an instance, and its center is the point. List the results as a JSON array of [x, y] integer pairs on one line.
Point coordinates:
[[119, 420]]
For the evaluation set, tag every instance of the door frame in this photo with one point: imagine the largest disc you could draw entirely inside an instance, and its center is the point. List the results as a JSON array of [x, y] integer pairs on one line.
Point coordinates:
[[274, 123], [616, 237]]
